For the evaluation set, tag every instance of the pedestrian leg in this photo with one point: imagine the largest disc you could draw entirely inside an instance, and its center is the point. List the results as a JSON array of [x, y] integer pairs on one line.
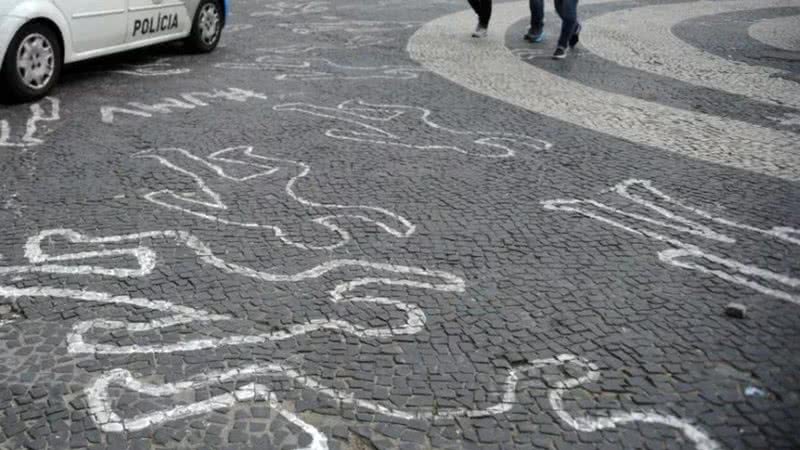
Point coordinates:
[[476, 6], [568, 10], [483, 8], [536, 30]]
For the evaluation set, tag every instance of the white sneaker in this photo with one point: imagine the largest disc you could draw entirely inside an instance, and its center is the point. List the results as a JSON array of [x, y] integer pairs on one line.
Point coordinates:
[[480, 32]]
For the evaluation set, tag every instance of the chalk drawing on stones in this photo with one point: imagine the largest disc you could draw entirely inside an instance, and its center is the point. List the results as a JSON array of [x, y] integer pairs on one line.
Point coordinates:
[[108, 419], [348, 26], [239, 166], [7, 314], [530, 54], [351, 43], [102, 410], [322, 69], [288, 9], [657, 216], [184, 101], [47, 110], [373, 124], [145, 257], [158, 68], [237, 27], [362, 33], [379, 274], [385, 3]]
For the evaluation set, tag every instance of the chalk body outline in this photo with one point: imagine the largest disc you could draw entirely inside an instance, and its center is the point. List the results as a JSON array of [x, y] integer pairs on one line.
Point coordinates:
[[38, 115], [370, 123], [145, 258], [354, 42], [349, 26], [184, 101], [211, 205], [323, 69], [101, 409], [161, 67], [666, 218], [290, 9]]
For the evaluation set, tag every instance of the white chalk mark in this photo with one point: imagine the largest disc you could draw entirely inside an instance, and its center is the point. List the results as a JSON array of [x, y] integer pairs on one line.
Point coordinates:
[[753, 277], [189, 100], [42, 262], [385, 3], [47, 110], [781, 32], [611, 419], [210, 205], [406, 276], [489, 68], [364, 33], [159, 68], [734, 271], [354, 42], [289, 9], [788, 234], [372, 121], [101, 408], [10, 317], [641, 38], [322, 69], [237, 27], [101, 405], [348, 26], [152, 70]]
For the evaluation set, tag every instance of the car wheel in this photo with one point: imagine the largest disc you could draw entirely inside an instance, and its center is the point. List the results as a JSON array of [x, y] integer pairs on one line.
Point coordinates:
[[207, 27], [32, 63]]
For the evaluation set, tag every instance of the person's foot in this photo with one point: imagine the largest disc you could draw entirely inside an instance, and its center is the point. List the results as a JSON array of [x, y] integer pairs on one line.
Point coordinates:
[[560, 53], [573, 41], [534, 36], [480, 32]]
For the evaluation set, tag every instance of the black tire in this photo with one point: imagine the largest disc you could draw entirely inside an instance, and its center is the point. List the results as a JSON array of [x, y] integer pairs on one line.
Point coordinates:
[[199, 40], [17, 89]]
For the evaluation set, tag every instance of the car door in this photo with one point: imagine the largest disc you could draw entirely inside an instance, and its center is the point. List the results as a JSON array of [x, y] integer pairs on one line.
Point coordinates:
[[94, 24], [152, 19]]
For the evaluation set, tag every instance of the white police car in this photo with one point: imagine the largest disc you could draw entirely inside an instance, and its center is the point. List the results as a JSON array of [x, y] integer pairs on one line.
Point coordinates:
[[37, 37]]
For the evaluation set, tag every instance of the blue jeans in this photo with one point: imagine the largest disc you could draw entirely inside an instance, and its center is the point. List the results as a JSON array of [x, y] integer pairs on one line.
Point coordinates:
[[567, 10]]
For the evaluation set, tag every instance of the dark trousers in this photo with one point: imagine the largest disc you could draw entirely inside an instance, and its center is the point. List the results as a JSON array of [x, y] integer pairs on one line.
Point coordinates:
[[566, 9], [483, 8]]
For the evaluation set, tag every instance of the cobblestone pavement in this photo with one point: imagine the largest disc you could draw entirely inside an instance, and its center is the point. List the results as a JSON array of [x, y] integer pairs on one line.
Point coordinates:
[[354, 227]]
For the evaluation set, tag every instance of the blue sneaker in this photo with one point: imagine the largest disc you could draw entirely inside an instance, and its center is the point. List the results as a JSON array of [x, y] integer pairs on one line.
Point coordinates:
[[532, 36]]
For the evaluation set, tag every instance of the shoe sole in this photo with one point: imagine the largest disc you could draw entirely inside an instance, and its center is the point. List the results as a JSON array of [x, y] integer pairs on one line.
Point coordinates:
[[559, 57]]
